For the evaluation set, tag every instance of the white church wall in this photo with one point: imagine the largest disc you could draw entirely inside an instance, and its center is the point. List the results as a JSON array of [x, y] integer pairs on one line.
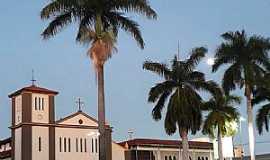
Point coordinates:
[[75, 121], [18, 143], [118, 152], [75, 150], [40, 152], [40, 108]]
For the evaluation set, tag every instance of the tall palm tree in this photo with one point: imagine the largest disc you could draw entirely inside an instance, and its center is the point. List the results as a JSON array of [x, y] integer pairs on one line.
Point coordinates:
[[180, 88], [262, 95], [99, 22], [248, 60], [220, 112]]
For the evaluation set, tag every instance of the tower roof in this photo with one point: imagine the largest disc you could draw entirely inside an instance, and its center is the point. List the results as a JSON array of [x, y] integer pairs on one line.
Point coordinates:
[[33, 89]]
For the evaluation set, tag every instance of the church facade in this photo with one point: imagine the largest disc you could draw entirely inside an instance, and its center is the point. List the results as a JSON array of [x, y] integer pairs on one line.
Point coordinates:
[[36, 135]]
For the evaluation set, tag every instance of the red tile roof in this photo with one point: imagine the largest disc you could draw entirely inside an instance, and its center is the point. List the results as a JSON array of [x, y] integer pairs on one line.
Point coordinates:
[[165, 143], [5, 154], [34, 89], [5, 141]]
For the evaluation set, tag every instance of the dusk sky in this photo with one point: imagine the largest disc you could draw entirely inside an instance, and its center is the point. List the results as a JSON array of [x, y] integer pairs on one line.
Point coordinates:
[[61, 64]]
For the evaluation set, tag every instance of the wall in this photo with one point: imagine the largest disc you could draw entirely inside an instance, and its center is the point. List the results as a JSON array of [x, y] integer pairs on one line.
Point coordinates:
[[43, 133], [18, 144], [40, 116], [74, 133], [118, 152]]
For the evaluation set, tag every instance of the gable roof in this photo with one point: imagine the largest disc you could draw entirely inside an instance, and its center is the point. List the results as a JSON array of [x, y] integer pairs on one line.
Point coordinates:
[[165, 143], [76, 114], [34, 89]]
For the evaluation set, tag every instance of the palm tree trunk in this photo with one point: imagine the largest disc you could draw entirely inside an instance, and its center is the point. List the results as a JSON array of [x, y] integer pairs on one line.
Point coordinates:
[[101, 113], [250, 123], [184, 137], [220, 151]]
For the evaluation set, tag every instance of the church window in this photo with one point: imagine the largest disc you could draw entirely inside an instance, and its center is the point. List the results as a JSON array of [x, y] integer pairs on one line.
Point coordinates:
[[35, 103], [42, 103], [166, 158], [85, 145], [77, 150], [96, 143], [69, 147], [60, 144], [92, 145], [199, 158], [202, 158], [39, 103], [206, 158], [81, 145], [174, 158], [65, 144], [39, 144], [170, 157]]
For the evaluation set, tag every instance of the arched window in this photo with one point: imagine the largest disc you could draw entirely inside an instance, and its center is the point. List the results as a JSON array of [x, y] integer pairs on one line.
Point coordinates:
[[202, 158], [199, 158], [39, 144], [39, 101], [81, 145], [60, 144], [190, 158], [65, 144], [166, 158], [206, 158], [77, 147], [85, 145], [170, 157], [174, 158], [35, 103], [42, 103], [69, 145], [92, 145], [96, 145]]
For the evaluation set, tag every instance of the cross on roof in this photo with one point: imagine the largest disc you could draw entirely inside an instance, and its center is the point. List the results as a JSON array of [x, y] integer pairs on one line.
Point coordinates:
[[33, 78], [79, 102]]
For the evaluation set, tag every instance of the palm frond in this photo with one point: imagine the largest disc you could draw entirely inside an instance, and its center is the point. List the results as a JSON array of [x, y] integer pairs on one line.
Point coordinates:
[[262, 118], [57, 25], [137, 6], [159, 68], [159, 89]]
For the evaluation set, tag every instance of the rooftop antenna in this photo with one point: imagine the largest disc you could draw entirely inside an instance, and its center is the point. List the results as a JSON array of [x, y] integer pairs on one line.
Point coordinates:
[[130, 134], [33, 78], [79, 102]]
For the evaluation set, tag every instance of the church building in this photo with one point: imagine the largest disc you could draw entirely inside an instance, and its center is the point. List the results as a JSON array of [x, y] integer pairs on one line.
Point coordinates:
[[36, 135]]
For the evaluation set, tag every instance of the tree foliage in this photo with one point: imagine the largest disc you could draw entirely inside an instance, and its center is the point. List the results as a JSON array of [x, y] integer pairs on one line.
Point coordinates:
[[180, 92]]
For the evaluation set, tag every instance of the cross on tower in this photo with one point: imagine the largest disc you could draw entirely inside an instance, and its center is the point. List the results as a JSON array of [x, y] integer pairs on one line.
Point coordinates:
[[33, 78], [79, 103]]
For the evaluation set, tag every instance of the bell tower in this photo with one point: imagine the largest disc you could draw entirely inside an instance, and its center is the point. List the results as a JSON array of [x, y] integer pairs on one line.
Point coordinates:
[[32, 123]]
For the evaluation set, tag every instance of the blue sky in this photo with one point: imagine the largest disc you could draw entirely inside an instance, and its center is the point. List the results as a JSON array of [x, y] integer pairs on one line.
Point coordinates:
[[62, 65]]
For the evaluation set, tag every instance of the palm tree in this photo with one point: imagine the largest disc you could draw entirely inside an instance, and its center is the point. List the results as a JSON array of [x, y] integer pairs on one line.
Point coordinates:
[[220, 112], [262, 95], [181, 86], [248, 59], [99, 22]]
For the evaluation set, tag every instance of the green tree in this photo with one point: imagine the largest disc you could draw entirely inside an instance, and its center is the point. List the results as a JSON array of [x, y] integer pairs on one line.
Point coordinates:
[[181, 88], [247, 59], [262, 95], [98, 24], [220, 112]]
